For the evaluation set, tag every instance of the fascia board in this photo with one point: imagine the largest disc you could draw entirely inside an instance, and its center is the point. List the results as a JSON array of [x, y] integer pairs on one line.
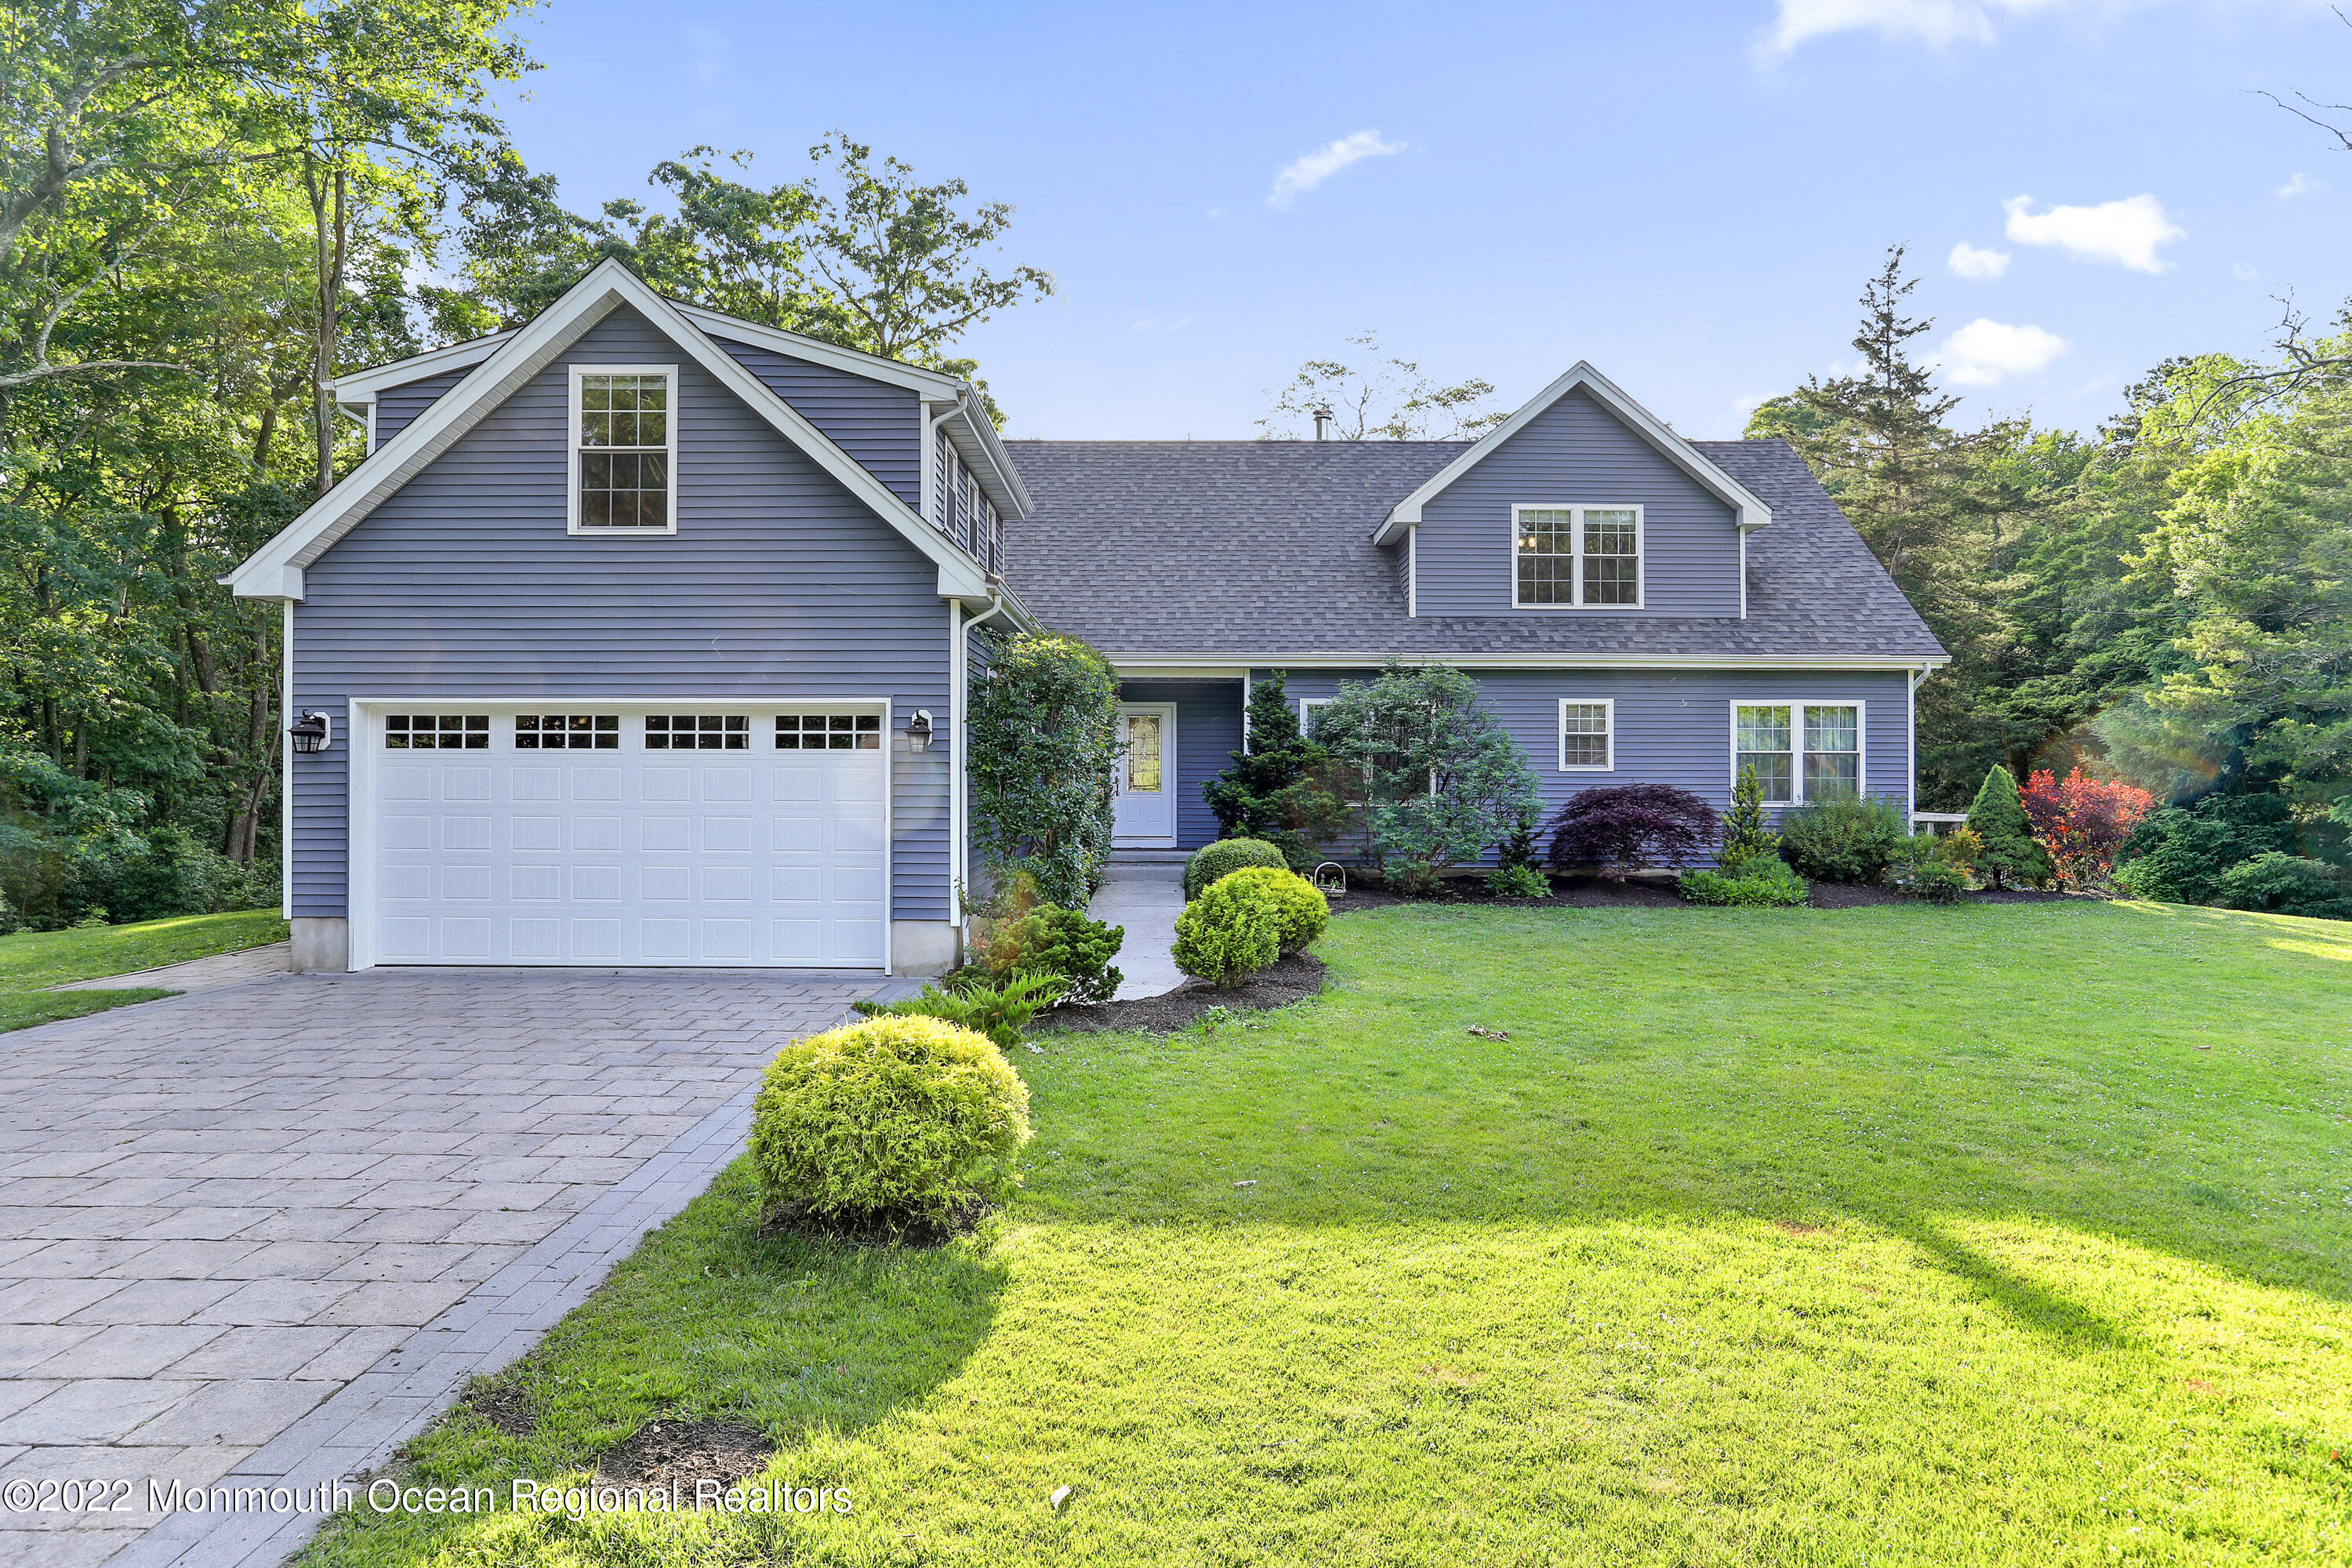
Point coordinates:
[[360, 387], [931, 384], [525, 354], [982, 450], [1751, 510], [1360, 658]]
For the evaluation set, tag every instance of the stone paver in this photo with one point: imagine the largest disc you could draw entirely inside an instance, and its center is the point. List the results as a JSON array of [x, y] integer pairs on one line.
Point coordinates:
[[257, 1236], [1146, 899], [222, 969]]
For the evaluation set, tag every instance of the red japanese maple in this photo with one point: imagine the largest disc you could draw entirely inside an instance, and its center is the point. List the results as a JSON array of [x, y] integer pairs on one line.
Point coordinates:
[[2083, 821]]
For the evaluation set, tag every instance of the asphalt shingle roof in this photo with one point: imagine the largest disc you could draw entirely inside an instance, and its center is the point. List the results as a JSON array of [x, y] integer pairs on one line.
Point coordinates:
[[1249, 547]]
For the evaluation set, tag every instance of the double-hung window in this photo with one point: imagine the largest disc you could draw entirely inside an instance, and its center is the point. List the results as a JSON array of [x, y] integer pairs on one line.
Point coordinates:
[[1588, 736], [1801, 751], [624, 450], [1567, 556]]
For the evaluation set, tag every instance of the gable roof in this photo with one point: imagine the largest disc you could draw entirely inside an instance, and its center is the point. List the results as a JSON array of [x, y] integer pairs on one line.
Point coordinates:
[[1233, 552], [1749, 512], [274, 571]]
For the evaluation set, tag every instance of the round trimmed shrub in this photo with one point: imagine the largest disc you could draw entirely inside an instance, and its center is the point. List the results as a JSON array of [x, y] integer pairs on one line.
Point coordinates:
[[1228, 933], [1304, 912], [895, 1121], [1226, 856]]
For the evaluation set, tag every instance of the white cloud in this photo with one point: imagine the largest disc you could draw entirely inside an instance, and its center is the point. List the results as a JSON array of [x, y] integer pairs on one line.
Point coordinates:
[[1938, 23], [1968, 261], [1984, 353], [1154, 324], [2245, 272], [1311, 170], [2125, 232], [2301, 186]]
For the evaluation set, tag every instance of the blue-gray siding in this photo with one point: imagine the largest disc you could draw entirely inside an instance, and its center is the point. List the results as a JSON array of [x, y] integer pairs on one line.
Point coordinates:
[[1575, 453], [1673, 726], [879, 424], [778, 585], [1208, 732], [396, 406]]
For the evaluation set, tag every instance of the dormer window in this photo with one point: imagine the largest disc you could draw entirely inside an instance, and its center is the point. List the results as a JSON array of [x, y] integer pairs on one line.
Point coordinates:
[[625, 445], [1571, 556]]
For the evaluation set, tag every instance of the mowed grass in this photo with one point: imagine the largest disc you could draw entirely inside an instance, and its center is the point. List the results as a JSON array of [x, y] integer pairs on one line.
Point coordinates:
[[1892, 1235], [31, 961]]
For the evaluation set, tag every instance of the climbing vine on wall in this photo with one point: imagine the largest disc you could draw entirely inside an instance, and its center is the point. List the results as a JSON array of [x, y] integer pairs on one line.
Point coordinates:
[[1044, 735]]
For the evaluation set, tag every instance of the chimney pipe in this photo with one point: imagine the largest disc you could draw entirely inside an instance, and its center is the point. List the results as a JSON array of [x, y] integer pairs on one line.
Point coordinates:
[[1323, 424]]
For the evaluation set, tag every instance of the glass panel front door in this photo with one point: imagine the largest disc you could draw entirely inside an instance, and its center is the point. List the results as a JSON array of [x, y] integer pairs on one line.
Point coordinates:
[[1144, 786]]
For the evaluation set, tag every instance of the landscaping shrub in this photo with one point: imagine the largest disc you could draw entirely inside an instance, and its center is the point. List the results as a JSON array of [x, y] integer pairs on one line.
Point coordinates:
[[1228, 933], [1304, 913], [1759, 880], [998, 1012], [1924, 868], [2281, 884], [2083, 822], [1253, 798], [1847, 840], [1414, 879], [895, 1121], [1745, 831], [2177, 855], [1621, 827], [1040, 742], [1518, 882], [1065, 944], [1212, 861], [2009, 851]]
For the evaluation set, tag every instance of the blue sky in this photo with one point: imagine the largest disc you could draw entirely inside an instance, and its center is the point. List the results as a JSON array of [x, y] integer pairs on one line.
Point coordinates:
[[1688, 195]]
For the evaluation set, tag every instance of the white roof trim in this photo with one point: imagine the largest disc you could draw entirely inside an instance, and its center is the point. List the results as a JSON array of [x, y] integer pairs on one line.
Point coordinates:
[[1751, 512], [274, 571], [976, 441], [362, 386], [832, 356], [1220, 657]]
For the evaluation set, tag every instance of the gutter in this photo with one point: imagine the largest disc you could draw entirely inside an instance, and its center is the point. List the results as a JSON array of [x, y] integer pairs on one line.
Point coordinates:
[[958, 782]]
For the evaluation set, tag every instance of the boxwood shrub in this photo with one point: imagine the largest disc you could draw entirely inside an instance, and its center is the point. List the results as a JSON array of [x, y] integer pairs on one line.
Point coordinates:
[[894, 1122], [1304, 912], [1228, 933], [1212, 861]]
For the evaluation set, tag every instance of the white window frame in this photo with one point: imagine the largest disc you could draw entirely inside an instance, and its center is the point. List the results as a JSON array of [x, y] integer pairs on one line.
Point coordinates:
[[1576, 560], [1307, 706], [571, 523], [1607, 705], [1796, 708]]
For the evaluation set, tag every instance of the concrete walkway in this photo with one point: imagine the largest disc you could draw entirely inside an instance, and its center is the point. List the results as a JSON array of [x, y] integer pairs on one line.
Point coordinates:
[[260, 1236], [1145, 900], [222, 969]]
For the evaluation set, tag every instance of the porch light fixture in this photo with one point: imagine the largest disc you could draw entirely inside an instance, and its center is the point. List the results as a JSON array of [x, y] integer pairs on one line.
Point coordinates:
[[312, 732], [919, 729]]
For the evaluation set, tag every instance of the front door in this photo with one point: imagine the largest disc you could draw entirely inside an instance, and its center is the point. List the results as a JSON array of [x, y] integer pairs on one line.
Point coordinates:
[[1143, 785]]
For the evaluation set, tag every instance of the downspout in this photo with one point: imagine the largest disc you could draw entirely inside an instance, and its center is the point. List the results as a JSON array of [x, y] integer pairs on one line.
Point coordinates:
[[1911, 743], [936, 480], [959, 780]]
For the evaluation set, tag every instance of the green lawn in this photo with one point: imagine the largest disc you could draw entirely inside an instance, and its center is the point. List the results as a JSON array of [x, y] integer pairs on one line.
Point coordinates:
[[1894, 1235], [31, 961]]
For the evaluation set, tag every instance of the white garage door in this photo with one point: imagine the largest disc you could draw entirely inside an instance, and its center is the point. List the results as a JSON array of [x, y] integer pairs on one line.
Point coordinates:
[[629, 835]]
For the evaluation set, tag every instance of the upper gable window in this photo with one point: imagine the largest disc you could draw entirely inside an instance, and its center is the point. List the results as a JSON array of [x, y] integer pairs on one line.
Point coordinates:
[[1567, 556], [625, 445]]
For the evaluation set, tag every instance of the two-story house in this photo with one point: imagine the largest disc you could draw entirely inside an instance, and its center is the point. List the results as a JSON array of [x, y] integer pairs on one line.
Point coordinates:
[[642, 634]]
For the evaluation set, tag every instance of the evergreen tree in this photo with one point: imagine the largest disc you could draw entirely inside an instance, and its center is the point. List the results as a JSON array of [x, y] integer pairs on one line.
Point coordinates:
[[1744, 831], [1249, 797], [1998, 817]]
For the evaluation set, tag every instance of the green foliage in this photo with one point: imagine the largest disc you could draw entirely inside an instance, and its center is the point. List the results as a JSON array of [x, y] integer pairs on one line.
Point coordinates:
[[1928, 867], [1415, 772], [2007, 850], [1302, 913], [1844, 840], [1253, 797], [2177, 856], [1064, 944], [1515, 850], [999, 1012], [1212, 861], [1041, 739], [2284, 884], [1755, 880], [1228, 933], [897, 1121], [1745, 830], [1518, 882]]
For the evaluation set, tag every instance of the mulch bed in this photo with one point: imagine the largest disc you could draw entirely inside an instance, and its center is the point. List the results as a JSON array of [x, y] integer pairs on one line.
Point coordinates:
[[686, 1452], [1647, 892], [1292, 979]]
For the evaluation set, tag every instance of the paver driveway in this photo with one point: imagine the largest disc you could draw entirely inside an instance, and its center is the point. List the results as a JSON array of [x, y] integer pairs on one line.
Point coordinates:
[[260, 1235]]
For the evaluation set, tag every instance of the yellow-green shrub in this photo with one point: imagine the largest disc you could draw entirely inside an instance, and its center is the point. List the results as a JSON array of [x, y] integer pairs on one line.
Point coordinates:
[[896, 1120], [1304, 913], [1231, 930]]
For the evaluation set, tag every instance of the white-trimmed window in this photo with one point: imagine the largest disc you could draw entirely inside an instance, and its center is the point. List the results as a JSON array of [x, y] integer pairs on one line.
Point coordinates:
[[1307, 710], [1576, 556], [1801, 751], [624, 449], [1587, 735]]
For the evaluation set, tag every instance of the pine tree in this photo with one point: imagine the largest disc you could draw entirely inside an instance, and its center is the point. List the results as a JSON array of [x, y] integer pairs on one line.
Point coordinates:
[[1248, 796], [2009, 848], [1744, 833]]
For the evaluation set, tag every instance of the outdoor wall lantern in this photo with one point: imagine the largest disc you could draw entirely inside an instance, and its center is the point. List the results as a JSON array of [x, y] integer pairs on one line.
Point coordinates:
[[312, 732], [918, 731]]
